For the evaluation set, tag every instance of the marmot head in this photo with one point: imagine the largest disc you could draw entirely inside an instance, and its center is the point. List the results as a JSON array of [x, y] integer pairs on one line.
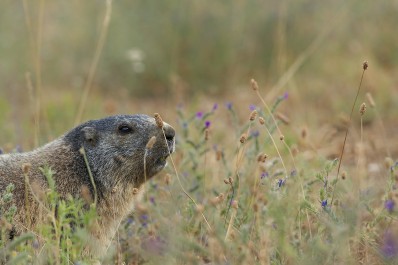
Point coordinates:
[[117, 148]]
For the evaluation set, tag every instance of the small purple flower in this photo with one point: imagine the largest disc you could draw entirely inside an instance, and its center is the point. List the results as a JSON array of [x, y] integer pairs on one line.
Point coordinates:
[[1, 151], [324, 203], [130, 221], [144, 220], [229, 105], [35, 244], [281, 182], [389, 205], [286, 95], [215, 106], [152, 200], [389, 247], [255, 133], [207, 124], [264, 175], [199, 114], [252, 107]]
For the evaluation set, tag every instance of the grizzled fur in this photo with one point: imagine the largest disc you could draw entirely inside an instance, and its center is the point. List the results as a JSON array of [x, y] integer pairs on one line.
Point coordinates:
[[115, 148]]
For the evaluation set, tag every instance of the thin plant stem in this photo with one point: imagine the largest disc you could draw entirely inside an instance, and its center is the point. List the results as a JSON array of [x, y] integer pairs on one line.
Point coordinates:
[[365, 66], [94, 63]]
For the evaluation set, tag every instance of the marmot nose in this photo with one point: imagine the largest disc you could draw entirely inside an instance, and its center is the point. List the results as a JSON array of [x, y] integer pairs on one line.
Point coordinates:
[[169, 132]]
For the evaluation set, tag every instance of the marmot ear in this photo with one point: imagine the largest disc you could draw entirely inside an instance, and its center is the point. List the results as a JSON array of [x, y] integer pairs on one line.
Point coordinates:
[[90, 134]]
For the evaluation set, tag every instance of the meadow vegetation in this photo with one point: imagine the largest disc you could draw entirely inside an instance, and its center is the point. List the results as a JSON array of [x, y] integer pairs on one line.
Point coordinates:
[[296, 166]]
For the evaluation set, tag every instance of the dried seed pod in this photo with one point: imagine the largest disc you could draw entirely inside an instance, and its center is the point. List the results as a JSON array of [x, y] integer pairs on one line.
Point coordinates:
[[365, 65], [253, 115], [362, 109], [158, 119], [243, 138], [254, 84], [26, 167]]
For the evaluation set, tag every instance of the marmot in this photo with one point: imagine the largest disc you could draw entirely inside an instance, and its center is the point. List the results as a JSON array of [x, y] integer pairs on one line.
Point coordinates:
[[115, 148]]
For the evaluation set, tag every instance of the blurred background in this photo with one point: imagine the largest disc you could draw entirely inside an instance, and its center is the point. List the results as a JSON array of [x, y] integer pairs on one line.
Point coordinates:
[[160, 55]]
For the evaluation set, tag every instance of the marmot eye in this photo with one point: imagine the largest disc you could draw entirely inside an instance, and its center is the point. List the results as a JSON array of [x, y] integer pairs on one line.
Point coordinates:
[[125, 129]]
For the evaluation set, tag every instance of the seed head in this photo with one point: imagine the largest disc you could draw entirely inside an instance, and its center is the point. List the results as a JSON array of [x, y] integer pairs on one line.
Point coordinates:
[[218, 155], [304, 132], [135, 191], [230, 180], [26, 167], [362, 109], [281, 137], [370, 100], [167, 179], [234, 204], [206, 134], [243, 138], [151, 142], [254, 84], [158, 119], [261, 120], [261, 157], [226, 181], [365, 65], [343, 175], [253, 115]]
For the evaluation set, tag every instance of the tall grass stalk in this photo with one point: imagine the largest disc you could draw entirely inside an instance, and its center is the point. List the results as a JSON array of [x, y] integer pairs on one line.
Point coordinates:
[[364, 67], [94, 63]]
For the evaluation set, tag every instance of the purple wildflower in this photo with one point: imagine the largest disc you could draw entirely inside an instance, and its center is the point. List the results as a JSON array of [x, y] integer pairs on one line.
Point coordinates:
[[199, 114], [207, 124], [152, 200], [144, 220], [281, 182], [255, 133], [252, 107], [324, 203], [35, 244], [389, 205], [1, 151], [264, 175], [389, 247], [215, 106], [229, 105], [286, 95]]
